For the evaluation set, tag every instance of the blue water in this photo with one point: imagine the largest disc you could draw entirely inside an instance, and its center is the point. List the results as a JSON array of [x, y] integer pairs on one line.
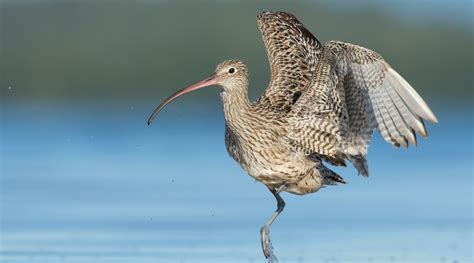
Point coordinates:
[[92, 183]]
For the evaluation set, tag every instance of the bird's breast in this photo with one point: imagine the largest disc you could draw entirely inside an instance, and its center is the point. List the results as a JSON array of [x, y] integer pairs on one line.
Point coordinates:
[[265, 156]]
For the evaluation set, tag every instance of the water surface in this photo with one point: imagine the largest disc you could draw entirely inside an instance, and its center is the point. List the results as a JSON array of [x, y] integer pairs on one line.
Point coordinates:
[[93, 183]]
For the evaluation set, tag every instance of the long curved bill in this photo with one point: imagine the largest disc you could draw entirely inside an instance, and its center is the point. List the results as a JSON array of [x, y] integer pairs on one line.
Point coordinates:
[[211, 80]]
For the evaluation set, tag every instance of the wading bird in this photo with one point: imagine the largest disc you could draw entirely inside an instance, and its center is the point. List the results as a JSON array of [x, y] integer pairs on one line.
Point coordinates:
[[323, 104]]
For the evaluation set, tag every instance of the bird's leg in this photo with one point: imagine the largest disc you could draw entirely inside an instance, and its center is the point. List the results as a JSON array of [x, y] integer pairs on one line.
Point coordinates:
[[264, 231]]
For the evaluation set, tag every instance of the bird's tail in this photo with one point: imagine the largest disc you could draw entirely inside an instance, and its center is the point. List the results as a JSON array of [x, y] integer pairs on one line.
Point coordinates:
[[329, 177], [360, 163]]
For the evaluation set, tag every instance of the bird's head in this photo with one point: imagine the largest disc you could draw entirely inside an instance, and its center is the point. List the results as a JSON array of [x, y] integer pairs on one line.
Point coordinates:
[[230, 74]]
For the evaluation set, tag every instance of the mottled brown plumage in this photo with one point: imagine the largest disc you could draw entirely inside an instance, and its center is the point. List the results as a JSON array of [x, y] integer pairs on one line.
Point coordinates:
[[323, 104]]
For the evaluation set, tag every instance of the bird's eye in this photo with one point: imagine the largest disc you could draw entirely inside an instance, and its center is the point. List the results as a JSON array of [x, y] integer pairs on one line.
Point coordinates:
[[231, 70]]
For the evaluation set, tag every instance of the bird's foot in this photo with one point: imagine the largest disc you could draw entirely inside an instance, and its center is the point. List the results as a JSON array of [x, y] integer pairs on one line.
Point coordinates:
[[266, 245]]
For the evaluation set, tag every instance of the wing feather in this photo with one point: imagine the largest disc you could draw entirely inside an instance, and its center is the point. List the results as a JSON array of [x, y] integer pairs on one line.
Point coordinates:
[[379, 112], [412, 98], [362, 93], [401, 125], [292, 53], [409, 117]]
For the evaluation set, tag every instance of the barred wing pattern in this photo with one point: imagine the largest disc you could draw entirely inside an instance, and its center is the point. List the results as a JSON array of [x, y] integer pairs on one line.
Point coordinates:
[[292, 53], [353, 92]]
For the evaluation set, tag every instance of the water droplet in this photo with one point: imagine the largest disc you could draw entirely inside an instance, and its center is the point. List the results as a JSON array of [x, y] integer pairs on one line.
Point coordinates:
[[9, 87]]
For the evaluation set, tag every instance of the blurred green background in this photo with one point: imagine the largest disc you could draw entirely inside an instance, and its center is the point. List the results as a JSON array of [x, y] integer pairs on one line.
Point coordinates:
[[65, 50]]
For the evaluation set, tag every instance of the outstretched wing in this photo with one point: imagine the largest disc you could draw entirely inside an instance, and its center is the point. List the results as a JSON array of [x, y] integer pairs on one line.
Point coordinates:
[[292, 53], [355, 91]]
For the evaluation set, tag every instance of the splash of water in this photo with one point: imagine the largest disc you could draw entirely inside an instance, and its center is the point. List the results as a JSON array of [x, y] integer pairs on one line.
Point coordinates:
[[272, 258]]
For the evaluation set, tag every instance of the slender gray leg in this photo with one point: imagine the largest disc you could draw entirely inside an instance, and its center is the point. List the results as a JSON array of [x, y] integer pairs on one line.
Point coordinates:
[[264, 231]]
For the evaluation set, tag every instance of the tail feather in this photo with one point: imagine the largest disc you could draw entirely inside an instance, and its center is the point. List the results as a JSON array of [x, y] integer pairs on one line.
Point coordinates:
[[360, 163], [329, 177]]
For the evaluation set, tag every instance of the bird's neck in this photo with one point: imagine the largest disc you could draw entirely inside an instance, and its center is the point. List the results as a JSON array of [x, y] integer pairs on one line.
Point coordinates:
[[237, 107]]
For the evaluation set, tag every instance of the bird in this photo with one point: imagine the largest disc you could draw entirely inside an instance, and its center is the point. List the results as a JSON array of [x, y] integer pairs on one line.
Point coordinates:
[[322, 106]]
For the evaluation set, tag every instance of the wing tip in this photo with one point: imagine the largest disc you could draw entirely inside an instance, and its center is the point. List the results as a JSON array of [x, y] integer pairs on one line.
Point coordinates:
[[279, 14], [412, 137], [428, 114], [423, 132], [412, 98], [432, 118]]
